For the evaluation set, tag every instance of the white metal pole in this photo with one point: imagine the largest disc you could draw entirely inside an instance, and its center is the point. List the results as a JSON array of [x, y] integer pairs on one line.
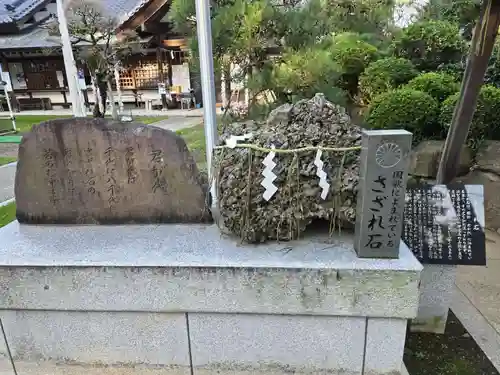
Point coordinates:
[[247, 91], [223, 89], [12, 117], [119, 90], [7, 97], [204, 28], [81, 99], [69, 62]]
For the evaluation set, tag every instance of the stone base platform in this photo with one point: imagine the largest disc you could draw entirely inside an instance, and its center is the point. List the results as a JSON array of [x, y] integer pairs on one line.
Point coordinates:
[[176, 297], [53, 368]]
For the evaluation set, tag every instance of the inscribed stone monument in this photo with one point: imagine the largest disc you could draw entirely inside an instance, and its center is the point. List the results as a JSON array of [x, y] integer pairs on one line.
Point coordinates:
[[381, 195], [97, 171]]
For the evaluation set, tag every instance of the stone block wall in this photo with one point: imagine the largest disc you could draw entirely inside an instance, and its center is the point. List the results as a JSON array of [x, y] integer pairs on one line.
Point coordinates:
[[179, 297], [215, 343]]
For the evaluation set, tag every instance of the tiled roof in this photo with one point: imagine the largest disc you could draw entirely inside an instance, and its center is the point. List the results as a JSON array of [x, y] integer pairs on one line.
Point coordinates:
[[121, 9], [36, 38], [12, 10]]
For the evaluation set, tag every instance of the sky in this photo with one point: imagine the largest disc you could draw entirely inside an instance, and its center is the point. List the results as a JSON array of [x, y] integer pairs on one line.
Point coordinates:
[[406, 10]]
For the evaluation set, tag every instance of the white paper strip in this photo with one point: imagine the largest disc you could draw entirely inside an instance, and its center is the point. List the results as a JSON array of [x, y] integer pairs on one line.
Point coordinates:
[[325, 186], [269, 176], [232, 141]]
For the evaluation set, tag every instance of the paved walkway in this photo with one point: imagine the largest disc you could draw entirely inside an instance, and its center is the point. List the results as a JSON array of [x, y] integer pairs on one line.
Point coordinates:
[[482, 284], [9, 150], [178, 123], [135, 112], [477, 300], [7, 176]]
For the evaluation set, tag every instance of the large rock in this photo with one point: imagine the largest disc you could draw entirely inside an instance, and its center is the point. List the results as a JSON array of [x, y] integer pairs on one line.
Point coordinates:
[[425, 158], [297, 203], [280, 115], [487, 173], [98, 171], [491, 184], [488, 157]]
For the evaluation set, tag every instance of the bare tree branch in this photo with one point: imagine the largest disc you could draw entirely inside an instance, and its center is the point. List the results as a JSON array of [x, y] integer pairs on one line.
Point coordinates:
[[93, 35]]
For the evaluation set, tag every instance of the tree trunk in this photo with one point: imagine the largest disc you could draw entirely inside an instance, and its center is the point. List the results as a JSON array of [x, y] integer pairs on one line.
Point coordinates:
[[226, 79], [103, 92], [114, 112], [97, 111]]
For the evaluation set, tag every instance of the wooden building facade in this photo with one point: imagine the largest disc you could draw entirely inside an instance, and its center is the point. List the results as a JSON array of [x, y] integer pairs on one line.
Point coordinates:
[[33, 59]]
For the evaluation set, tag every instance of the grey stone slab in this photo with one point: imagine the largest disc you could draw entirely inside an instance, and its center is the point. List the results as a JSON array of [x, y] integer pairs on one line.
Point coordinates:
[[209, 289], [178, 246], [383, 173], [273, 342], [191, 268], [385, 342], [126, 338]]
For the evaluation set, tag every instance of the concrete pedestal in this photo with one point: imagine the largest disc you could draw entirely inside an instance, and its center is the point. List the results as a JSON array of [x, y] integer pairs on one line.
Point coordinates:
[[179, 296], [436, 294]]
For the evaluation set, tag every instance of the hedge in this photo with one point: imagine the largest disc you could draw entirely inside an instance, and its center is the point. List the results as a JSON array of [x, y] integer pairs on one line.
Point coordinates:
[[438, 85], [384, 75], [408, 109], [485, 124]]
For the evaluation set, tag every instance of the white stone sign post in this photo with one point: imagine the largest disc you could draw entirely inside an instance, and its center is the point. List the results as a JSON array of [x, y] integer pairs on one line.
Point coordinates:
[[381, 194]]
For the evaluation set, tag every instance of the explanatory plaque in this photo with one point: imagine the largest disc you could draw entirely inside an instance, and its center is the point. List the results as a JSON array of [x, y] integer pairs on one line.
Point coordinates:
[[444, 224]]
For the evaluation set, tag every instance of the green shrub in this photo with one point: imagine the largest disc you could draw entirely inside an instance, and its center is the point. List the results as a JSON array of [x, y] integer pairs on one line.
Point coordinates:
[[407, 109], [485, 124], [456, 70], [438, 85], [462, 12], [353, 55], [351, 52], [305, 72], [492, 75], [430, 44], [384, 75]]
